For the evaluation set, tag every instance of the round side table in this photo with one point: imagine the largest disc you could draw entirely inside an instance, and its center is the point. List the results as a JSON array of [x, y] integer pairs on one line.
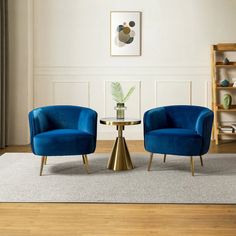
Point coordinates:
[[120, 156]]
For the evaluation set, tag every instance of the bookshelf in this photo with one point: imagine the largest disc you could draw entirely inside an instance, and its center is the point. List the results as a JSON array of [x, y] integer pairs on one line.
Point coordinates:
[[216, 66]]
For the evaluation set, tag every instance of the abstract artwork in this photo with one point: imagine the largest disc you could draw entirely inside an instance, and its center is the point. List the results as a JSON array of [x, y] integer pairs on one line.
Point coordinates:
[[125, 39]]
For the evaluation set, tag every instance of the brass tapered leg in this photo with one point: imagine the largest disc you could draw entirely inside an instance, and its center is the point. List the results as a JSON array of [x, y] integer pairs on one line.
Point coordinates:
[[192, 165], [85, 161], [164, 158], [201, 160], [120, 156], [150, 162], [42, 164], [45, 160]]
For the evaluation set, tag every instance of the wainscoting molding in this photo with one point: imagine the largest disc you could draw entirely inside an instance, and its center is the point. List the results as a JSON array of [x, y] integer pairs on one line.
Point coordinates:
[[71, 93], [123, 70], [171, 90], [155, 86]]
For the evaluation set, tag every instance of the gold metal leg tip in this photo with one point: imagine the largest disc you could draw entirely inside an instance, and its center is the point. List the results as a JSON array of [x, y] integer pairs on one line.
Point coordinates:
[[201, 160], [45, 161], [192, 165], [150, 162], [164, 158], [42, 164], [85, 162]]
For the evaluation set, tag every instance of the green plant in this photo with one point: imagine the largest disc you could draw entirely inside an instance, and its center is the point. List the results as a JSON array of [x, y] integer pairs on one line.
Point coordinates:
[[117, 92]]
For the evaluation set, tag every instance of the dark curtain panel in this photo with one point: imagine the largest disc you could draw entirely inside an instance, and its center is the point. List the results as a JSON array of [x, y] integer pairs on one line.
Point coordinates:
[[3, 70]]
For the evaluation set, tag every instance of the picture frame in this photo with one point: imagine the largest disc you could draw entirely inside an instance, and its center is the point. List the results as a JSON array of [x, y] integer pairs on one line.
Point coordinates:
[[125, 33]]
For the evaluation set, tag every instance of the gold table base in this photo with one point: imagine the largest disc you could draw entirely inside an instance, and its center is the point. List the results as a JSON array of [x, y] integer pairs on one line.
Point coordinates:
[[120, 157]]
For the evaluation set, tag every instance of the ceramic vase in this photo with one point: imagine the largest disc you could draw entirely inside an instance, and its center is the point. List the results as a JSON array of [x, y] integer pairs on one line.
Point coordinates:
[[224, 83], [226, 61], [227, 101]]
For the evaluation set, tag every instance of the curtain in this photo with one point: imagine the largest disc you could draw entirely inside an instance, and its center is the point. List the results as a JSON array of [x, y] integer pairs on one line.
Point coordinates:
[[3, 71]]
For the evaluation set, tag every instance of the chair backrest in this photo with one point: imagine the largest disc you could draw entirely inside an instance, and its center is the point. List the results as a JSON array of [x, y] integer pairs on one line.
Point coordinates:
[[183, 116], [58, 117]]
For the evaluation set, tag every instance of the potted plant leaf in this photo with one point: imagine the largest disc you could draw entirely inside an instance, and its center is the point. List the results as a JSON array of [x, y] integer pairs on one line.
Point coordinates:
[[120, 98]]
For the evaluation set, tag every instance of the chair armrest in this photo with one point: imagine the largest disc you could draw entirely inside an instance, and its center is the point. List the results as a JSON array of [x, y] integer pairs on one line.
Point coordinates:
[[88, 121], [155, 119], [204, 128], [204, 123], [38, 122]]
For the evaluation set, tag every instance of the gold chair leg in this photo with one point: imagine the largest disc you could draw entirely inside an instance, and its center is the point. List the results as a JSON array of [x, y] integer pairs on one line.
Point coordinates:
[[42, 164], [192, 165], [201, 160], [164, 158], [150, 162], [85, 161], [45, 160]]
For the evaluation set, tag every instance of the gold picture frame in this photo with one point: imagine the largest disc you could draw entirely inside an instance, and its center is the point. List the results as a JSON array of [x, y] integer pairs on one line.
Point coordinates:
[[125, 33]]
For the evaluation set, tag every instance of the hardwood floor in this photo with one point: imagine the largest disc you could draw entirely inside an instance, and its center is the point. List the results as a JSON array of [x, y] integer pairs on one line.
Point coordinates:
[[23, 219], [134, 146], [116, 219]]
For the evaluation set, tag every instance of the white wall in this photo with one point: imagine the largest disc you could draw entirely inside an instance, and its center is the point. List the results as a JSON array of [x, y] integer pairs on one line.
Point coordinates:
[[72, 62]]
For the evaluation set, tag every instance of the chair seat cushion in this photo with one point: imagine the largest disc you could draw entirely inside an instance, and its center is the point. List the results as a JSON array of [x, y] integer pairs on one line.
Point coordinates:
[[173, 141], [61, 142]]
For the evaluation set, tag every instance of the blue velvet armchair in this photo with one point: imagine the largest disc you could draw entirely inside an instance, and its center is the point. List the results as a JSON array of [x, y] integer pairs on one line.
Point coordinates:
[[63, 130], [178, 130]]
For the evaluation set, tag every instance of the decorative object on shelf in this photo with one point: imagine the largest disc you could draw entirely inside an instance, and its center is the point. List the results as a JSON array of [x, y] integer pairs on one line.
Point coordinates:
[[125, 33], [224, 83], [226, 61], [227, 101], [120, 98], [234, 84]]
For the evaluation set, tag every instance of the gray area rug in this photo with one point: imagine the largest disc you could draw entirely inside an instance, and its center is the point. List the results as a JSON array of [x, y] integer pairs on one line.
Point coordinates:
[[65, 180]]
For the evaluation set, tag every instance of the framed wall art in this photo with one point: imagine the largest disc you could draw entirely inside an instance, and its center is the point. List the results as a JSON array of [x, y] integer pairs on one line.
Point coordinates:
[[125, 33]]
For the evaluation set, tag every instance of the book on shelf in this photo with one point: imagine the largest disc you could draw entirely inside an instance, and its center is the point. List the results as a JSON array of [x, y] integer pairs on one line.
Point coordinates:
[[234, 126], [226, 129]]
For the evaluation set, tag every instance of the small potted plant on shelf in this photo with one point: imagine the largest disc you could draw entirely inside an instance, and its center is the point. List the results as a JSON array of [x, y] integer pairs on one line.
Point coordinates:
[[120, 98]]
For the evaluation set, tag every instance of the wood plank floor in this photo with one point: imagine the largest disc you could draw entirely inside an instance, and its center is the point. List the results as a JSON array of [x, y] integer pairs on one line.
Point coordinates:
[[23, 219], [116, 219], [134, 146]]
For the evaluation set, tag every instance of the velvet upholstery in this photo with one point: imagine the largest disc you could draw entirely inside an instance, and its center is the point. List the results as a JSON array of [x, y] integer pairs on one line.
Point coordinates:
[[178, 130], [63, 130]]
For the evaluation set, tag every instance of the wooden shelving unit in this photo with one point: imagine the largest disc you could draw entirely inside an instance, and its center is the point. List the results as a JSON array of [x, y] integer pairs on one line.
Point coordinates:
[[216, 88], [229, 134], [226, 88], [230, 65], [220, 108]]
